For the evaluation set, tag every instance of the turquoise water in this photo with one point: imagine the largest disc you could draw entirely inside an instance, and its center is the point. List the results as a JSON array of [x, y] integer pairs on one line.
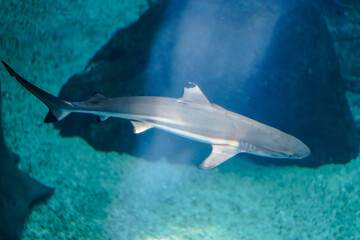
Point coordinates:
[[109, 195]]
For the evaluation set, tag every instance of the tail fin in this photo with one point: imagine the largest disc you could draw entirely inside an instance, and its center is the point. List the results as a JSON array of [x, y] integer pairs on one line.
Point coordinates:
[[58, 108]]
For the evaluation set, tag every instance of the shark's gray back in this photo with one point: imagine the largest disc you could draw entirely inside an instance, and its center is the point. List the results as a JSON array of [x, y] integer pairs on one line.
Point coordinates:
[[209, 120]]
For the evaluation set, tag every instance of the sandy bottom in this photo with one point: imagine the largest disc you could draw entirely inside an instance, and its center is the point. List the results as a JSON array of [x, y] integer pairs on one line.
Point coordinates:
[[112, 196]]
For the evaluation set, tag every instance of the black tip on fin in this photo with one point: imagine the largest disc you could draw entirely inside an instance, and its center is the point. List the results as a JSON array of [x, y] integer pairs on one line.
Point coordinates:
[[8, 68], [190, 85], [50, 118]]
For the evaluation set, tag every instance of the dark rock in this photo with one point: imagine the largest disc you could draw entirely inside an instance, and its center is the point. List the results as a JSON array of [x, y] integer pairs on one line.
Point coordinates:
[[270, 61], [18, 191], [306, 94]]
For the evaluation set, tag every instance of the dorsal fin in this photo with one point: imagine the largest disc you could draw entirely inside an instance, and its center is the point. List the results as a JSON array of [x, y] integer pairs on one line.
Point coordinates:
[[194, 94]]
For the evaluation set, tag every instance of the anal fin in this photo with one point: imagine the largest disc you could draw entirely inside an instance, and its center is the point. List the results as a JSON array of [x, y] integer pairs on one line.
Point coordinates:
[[101, 118], [219, 154], [140, 127]]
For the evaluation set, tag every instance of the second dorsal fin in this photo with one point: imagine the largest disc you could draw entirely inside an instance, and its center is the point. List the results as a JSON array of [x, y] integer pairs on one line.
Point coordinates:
[[97, 98]]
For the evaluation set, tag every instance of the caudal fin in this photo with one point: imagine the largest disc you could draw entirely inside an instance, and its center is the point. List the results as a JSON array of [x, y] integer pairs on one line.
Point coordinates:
[[58, 108]]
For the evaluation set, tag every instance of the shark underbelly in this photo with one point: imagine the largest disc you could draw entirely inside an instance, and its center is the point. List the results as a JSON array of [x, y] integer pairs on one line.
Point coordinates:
[[205, 138], [176, 126]]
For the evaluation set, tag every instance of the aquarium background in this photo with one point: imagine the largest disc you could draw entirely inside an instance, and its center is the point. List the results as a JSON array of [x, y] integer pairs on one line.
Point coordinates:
[[290, 64]]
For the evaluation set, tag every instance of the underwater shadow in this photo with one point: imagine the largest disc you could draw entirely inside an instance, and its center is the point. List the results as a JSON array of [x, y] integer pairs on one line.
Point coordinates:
[[18, 192], [272, 62], [303, 92]]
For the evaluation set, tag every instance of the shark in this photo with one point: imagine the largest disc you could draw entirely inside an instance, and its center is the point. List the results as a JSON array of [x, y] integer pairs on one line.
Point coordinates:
[[191, 116]]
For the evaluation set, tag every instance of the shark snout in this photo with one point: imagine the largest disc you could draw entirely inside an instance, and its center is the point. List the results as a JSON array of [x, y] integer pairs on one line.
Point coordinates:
[[300, 150]]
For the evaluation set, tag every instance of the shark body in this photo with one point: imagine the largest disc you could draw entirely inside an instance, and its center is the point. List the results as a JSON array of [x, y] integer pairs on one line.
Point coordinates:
[[191, 116]]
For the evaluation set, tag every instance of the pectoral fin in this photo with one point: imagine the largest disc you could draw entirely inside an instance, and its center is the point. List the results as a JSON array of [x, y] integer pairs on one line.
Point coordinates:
[[140, 127], [219, 154]]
